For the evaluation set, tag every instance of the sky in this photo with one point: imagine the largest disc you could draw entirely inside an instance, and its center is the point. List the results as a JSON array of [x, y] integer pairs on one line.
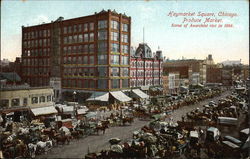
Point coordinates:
[[175, 43]]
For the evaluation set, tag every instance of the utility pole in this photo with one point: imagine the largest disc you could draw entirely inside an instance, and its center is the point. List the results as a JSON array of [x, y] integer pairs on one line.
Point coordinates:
[[143, 36]]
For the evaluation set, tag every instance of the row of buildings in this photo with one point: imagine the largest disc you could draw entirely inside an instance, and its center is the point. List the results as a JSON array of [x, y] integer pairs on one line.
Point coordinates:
[[91, 56], [87, 56]]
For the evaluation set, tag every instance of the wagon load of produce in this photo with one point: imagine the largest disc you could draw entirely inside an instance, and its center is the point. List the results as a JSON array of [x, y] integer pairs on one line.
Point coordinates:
[[116, 148], [113, 141], [149, 138]]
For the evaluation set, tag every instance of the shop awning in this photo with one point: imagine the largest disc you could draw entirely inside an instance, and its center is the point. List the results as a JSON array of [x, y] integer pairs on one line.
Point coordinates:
[[140, 93], [145, 88], [44, 111], [99, 96], [120, 96]]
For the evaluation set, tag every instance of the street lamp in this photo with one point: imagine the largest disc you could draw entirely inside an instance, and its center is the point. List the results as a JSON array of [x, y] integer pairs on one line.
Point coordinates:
[[74, 98]]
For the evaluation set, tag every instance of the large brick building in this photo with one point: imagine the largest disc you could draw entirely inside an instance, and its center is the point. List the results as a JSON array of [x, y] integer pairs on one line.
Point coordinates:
[[86, 54]]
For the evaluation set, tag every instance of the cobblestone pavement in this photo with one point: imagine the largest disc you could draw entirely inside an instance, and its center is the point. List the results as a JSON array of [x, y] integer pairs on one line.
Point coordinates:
[[95, 143]]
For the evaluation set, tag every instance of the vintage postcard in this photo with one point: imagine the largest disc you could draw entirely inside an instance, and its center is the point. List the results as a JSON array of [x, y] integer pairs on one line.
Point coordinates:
[[124, 79]]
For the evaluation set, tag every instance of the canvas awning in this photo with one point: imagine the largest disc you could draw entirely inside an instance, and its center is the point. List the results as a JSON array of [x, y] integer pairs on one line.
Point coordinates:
[[99, 96], [44, 111], [140, 93], [119, 95]]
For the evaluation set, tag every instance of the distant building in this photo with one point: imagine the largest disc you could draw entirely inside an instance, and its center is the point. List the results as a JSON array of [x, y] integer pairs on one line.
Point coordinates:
[[192, 66], [245, 72], [145, 68], [231, 62], [174, 83], [227, 76], [214, 74]]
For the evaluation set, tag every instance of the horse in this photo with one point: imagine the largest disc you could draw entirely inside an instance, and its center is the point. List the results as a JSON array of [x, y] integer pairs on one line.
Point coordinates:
[[44, 146], [76, 134], [32, 150], [21, 149], [102, 128], [129, 120], [62, 139]]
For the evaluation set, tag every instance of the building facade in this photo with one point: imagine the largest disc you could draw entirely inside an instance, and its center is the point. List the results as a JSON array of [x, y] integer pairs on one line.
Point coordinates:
[[214, 74], [146, 69], [86, 54], [193, 66], [174, 82], [165, 84]]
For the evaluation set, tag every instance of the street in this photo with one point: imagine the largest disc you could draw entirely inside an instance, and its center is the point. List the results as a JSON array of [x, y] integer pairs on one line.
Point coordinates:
[[96, 143]]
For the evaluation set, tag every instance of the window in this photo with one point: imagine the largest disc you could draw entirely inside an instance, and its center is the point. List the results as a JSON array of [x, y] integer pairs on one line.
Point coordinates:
[[102, 71], [70, 39], [102, 35], [42, 99], [80, 38], [69, 29], [124, 49], [91, 72], [80, 48], [91, 37], [75, 28], [4, 103], [102, 24], [114, 25], [125, 27], [85, 27], [125, 60], [86, 84], [79, 83], [115, 47], [69, 49], [91, 60], [75, 39], [85, 49], [125, 38], [86, 71], [74, 49], [102, 84], [114, 36], [15, 102], [125, 83], [102, 59], [124, 72], [115, 71], [91, 48], [85, 59], [102, 47], [86, 37], [91, 26], [91, 84], [115, 59], [115, 83], [79, 27]]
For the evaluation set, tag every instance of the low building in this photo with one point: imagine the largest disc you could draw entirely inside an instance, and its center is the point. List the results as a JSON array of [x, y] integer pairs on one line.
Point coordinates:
[[22, 99]]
